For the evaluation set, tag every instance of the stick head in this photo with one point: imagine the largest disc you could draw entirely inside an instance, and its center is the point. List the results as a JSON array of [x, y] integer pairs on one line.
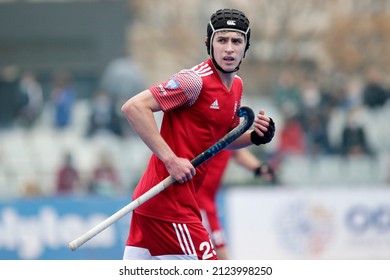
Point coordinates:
[[247, 113]]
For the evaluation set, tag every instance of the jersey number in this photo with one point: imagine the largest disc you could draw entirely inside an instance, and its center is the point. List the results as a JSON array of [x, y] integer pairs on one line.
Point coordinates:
[[208, 249]]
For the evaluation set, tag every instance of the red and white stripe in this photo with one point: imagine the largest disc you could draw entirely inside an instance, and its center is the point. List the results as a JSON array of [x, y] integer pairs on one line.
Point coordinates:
[[203, 69], [184, 238]]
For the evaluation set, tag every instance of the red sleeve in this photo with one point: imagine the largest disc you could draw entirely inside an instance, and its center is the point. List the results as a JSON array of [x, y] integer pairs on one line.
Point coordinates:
[[182, 89]]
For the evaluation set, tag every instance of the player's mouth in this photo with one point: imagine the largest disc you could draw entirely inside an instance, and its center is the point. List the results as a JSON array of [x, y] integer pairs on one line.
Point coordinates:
[[228, 59]]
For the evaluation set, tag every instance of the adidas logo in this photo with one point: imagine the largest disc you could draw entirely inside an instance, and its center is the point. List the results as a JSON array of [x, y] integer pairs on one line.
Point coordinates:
[[214, 105]]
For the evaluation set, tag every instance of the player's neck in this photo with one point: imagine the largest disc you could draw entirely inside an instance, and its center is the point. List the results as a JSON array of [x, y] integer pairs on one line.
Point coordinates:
[[227, 78]]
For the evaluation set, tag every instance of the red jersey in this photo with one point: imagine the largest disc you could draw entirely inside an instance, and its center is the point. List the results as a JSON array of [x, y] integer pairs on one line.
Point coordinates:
[[198, 111], [207, 193], [207, 196]]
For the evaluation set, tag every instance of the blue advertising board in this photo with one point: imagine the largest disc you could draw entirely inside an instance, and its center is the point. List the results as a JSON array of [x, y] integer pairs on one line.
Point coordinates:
[[41, 229]]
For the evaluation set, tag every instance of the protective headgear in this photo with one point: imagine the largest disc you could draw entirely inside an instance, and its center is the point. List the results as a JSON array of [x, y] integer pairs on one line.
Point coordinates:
[[227, 20]]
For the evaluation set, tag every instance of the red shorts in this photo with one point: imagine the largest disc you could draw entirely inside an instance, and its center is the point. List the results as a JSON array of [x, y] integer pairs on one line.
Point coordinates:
[[156, 239]]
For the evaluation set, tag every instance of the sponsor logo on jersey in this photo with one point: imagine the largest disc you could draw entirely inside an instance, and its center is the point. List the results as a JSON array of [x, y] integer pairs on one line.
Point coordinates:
[[231, 22], [214, 105], [161, 89], [172, 84]]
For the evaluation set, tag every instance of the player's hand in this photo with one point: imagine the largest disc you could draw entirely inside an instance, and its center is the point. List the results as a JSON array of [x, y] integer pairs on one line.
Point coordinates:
[[264, 129], [181, 169], [266, 172]]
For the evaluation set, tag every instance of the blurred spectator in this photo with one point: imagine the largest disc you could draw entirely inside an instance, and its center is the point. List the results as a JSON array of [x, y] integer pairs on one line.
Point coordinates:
[[353, 138], [353, 94], [105, 179], [122, 78], [374, 93], [9, 103], [318, 142], [68, 177], [63, 98], [291, 140], [103, 116], [31, 100], [337, 84], [286, 93], [316, 109], [31, 189]]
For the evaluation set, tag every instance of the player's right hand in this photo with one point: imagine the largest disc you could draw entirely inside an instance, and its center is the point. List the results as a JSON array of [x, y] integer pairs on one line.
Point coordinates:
[[181, 169]]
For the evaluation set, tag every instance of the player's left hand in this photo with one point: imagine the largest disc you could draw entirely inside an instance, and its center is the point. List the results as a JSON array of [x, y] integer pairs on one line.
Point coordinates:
[[266, 172], [264, 129]]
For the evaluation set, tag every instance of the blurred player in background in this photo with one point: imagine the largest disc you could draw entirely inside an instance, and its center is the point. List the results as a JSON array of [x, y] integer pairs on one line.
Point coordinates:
[[207, 193], [199, 106]]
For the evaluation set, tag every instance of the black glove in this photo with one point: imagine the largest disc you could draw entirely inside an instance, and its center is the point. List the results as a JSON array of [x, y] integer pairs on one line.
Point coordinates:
[[257, 140], [265, 171], [264, 168]]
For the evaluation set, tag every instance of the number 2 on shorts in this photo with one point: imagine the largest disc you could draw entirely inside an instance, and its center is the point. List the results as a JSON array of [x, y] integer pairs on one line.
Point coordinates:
[[208, 249]]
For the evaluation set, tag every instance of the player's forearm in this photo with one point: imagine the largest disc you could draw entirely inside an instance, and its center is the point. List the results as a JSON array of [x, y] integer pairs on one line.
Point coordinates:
[[247, 160], [242, 142]]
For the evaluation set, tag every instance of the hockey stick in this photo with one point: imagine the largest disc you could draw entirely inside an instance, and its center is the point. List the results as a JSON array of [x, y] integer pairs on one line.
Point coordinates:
[[244, 112]]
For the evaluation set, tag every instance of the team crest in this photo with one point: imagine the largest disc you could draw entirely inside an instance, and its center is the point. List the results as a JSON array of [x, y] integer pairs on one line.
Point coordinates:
[[172, 84]]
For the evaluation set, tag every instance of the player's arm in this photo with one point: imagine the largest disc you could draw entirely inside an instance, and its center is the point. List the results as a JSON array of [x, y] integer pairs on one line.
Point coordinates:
[[246, 159], [139, 111], [249, 161]]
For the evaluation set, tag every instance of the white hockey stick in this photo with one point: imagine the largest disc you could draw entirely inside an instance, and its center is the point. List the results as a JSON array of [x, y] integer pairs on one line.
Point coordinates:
[[244, 112]]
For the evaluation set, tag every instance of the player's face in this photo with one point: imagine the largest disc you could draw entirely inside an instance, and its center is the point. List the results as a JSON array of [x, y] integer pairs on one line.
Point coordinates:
[[228, 49]]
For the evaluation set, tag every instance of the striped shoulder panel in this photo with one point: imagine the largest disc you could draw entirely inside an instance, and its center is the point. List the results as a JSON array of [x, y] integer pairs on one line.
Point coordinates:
[[202, 69]]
